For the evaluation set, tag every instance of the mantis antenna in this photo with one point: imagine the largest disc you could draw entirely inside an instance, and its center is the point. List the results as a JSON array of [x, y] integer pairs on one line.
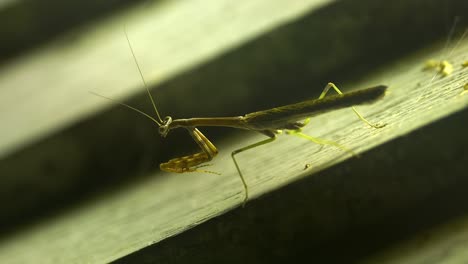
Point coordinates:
[[142, 78]]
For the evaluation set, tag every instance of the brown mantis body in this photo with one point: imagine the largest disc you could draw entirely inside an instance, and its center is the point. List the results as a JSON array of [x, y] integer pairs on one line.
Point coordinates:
[[268, 122]]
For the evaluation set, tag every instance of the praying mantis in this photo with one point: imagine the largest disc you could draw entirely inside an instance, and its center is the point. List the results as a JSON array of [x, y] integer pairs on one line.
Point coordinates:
[[269, 123]]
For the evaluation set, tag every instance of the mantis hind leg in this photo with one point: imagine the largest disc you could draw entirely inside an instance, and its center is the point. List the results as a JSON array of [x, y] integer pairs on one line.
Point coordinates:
[[320, 141], [332, 85], [298, 132], [235, 152]]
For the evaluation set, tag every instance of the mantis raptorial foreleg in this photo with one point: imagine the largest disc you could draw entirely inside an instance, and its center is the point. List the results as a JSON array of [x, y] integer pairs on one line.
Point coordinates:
[[192, 163]]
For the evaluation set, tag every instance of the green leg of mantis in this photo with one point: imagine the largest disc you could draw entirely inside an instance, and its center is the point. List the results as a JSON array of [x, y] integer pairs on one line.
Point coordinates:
[[299, 133], [332, 85], [320, 141], [263, 142]]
